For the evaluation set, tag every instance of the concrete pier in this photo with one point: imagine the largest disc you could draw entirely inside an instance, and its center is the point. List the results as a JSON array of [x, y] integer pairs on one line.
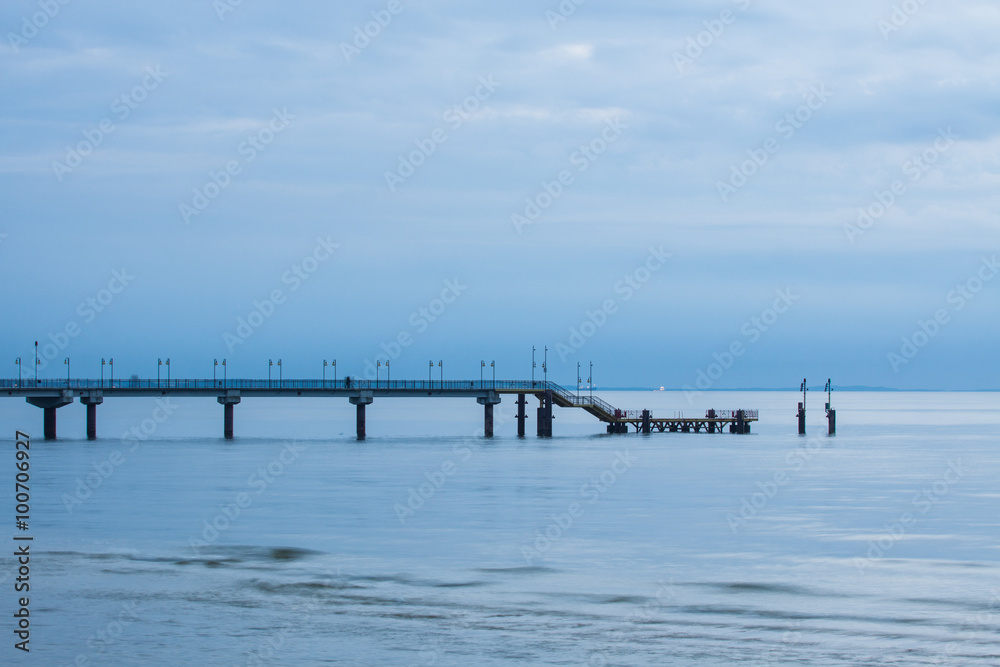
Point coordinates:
[[49, 405], [488, 402], [361, 401], [228, 402], [92, 401]]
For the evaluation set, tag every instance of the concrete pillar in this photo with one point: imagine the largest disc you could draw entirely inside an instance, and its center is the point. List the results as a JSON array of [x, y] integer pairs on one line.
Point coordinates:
[[831, 418], [741, 424], [521, 414], [645, 422], [50, 423], [361, 402], [802, 419], [488, 401], [228, 402], [92, 400], [49, 405]]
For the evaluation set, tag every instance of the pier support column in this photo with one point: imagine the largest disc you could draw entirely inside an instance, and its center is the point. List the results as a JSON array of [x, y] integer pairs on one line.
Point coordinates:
[[361, 401], [488, 402], [49, 405], [645, 422], [802, 419], [742, 426], [231, 399], [521, 414], [831, 418], [92, 400], [545, 415]]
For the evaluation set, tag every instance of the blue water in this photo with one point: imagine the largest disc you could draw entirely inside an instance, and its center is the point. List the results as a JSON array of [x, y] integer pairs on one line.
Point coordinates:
[[427, 545]]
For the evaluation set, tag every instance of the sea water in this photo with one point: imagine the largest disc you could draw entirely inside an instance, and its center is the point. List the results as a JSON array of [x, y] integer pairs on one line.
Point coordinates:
[[162, 543]]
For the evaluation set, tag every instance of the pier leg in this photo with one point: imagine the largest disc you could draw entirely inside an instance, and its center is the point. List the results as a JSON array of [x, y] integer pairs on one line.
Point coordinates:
[[49, 405], [741, 425], [802, 419], [521, 415], [91, 421], [831, 417], [488, 401], [50, 423], [362, 402], [645, 422], [545, 415], [92, 400], [488, 423], [228, 402]]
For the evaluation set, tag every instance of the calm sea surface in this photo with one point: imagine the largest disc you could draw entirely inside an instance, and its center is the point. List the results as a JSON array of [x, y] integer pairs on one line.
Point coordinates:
[[428, 545]]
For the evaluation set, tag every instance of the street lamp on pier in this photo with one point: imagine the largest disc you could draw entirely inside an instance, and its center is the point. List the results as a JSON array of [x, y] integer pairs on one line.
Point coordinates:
[[18, 363], [66, 361]]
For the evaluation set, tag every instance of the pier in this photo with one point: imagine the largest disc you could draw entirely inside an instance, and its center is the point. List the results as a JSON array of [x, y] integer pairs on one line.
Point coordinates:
[[50, 395]]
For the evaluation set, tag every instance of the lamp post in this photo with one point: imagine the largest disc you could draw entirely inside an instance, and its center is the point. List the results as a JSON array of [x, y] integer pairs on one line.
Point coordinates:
[[430, 369], [36, 363], [532, 365], [578, 379], [334, 371], [215, 366], [441, 368], [324, 373], [270, 363], [102, 372], [168, 371], [493, 365], [545, 364], [159, 362], [66, 361], [388, 375], [18, 362], [482, 365], [111, 365], [279, 374], [590, 381], [225, 377], [378, 367]]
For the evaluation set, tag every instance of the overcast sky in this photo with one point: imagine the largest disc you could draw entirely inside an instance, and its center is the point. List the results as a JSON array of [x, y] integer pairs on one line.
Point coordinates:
[[648, 186]]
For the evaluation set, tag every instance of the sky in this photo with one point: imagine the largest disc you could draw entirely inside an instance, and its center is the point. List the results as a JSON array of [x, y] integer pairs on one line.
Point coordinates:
[[700, 195]]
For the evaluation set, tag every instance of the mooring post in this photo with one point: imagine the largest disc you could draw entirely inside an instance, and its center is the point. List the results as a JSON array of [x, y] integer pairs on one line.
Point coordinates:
[[802, 419], [361, 401], [742, 426], [521, 414], [231, 399], [645, 422], [831, 414]]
